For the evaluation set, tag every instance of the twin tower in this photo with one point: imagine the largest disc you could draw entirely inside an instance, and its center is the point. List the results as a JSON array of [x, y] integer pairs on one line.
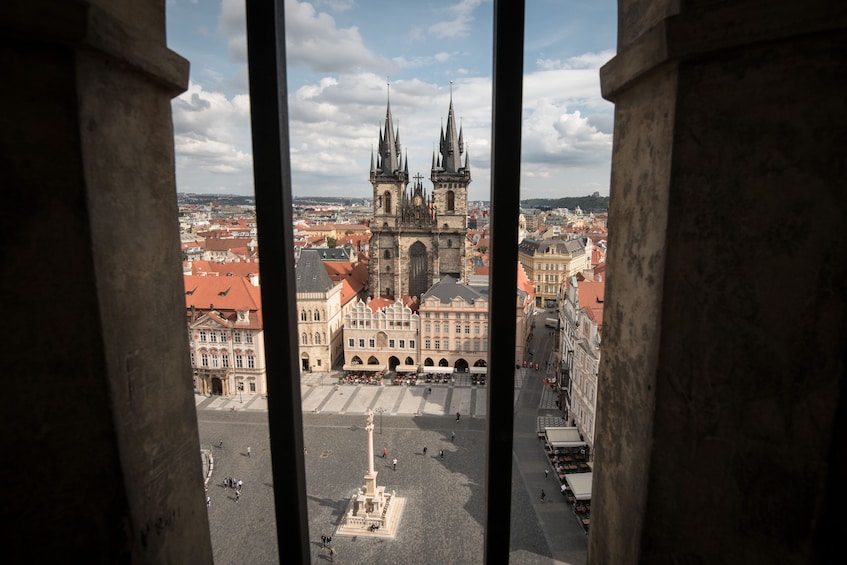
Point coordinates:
[[418, 237]]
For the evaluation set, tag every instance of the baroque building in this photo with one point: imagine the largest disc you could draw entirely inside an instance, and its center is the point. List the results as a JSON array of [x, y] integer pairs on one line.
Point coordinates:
[[418, 236]]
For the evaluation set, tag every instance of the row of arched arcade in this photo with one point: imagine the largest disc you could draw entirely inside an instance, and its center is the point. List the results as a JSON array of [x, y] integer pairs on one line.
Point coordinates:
[[461, 365]]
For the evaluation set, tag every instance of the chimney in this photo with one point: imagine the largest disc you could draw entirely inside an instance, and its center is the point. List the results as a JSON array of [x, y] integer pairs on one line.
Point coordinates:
[[254, 279]]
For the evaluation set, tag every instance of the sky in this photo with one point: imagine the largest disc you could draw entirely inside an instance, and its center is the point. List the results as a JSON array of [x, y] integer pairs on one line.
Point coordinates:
[[345, 57]]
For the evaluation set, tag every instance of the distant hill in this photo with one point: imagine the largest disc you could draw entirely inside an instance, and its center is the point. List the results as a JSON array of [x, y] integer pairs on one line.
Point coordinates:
[[593, 203]]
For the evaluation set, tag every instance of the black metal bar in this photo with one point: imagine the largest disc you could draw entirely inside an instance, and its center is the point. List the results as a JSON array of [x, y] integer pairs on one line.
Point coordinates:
[[506, 111], [272, 178]]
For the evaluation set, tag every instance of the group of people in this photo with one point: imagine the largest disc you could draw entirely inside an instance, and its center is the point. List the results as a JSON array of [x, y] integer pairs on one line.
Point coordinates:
[[229, 482], [530, 364], [327, 541]]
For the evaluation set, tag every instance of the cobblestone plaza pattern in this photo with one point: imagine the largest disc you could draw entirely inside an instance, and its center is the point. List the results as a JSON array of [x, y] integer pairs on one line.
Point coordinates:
[[443, 518]]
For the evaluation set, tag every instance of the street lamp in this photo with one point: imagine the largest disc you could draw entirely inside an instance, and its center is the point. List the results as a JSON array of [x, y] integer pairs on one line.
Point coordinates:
[[380, 411], [240, 388]]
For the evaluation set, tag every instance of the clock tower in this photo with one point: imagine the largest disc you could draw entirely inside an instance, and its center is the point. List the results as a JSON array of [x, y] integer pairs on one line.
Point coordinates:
[[418, 237]]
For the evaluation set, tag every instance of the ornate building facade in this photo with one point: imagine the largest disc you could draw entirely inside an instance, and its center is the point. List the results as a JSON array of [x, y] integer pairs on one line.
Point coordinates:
[[418, 237], [387, 337]]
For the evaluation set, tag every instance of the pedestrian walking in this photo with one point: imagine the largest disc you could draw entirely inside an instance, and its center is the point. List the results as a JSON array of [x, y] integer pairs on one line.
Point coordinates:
[[226, 482], [395, 463], [384, 452], [458, 416], [208, 501], [424, 450], [248, 451], [546, 473], [221, 444], [240, 484], [452, 436], [543, 495], [238, 495], [323, 540], [442, 454], [331, 554]]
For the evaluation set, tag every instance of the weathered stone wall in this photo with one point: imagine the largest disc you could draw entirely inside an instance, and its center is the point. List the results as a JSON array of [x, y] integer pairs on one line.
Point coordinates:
[[101, 434], [725, 314]]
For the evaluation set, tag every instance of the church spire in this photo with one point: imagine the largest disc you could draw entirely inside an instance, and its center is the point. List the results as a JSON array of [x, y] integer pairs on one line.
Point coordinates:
[[451, 146], [389, 146]]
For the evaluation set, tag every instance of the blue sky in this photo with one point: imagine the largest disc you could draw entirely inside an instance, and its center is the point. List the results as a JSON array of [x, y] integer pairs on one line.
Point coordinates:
[[341, 53]]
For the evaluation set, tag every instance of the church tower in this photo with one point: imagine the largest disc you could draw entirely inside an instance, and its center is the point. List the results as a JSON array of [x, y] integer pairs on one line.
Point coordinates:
[[418, 237]]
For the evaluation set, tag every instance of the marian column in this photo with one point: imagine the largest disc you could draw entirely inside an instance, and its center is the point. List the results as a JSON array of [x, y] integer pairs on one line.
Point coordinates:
[[370, 477]]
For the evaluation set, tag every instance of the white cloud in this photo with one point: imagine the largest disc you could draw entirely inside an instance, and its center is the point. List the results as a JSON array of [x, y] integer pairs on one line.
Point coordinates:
[[211, 136], [582, 61], [459, 24], [314, 40]]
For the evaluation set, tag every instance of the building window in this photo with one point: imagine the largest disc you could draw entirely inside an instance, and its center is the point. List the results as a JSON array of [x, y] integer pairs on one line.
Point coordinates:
[[248, 337], [467, 328], [391, 343], [305, 339], [476, 329], [446, 344], [302, 315], [317, 316], [213, 336], [239, 362], [451, 201], [193, 362], [251, 362], [204, 359], [223, 337], [361, 344], [351, 342], [402, 344], [427, 344], [467, 345], [458, 328], [317, 338], [426, 314], [202, 336], [371, 343], [438, 344], [225, 360], [427, 328], [386, 201], [412, 344], [236, 337], [252, 386], [476, 345], [215, 361]]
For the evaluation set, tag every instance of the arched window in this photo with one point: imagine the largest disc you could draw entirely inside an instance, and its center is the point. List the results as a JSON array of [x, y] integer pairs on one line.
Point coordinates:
[[317, 316], [317, 338], [305, 339], [386, 202], [451, 201], [449, 243], [303, 315], [386, 254]]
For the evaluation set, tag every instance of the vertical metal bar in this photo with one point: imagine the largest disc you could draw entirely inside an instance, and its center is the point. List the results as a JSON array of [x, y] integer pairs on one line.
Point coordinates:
[[272, 178], [506, 110]]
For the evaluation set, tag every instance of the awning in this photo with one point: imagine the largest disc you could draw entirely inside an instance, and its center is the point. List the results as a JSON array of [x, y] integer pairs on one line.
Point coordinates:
[[370, 368], [563, 437], [445, 370], [406, 368], [580, 484], [479, 370]]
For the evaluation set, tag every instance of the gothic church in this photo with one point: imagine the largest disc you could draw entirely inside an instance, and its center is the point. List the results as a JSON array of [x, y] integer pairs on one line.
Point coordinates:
[[418, 237]]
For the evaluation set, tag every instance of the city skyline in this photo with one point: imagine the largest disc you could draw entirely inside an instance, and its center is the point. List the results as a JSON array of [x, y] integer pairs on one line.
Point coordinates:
[[341, 55]]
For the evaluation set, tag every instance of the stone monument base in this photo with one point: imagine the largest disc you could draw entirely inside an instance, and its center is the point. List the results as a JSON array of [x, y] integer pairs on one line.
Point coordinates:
[[357, 522]]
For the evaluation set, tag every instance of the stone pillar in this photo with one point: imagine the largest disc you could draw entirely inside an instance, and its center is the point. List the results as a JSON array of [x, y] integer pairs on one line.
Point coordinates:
[[102, 433], [725, 304]]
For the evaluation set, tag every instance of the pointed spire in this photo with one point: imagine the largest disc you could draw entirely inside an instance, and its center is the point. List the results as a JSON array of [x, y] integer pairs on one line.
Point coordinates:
[[451, 147], [389, 148], [373, 169], [433, 159], [467, 162]]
